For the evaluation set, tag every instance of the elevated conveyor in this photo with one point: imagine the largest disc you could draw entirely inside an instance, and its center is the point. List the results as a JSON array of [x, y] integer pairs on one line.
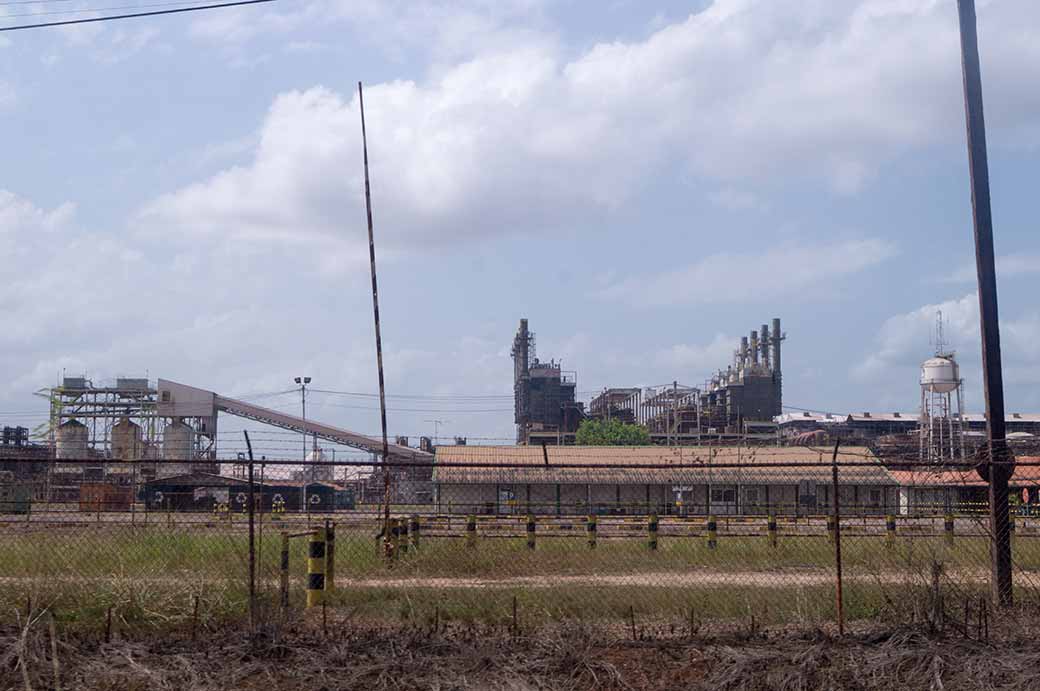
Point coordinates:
[[181, 400]]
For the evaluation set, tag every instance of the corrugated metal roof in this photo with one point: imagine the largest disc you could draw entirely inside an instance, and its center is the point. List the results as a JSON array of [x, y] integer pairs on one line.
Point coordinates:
[[652, 465], [1023, 475]]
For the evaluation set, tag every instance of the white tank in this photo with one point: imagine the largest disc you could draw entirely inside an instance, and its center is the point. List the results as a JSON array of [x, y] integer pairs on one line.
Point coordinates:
[[126, 440], [177, 441], [940, 374], [71, 440]]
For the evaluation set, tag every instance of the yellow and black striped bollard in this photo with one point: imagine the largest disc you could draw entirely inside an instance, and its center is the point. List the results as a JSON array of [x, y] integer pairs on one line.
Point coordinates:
[[651, 529], [530, 531], [890, 530], [471, 531], [948, 528], [713, 532], [590, 528], [771, 531], [316, 568]]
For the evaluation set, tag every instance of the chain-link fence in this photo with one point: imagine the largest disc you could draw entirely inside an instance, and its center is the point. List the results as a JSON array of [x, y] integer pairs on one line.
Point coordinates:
[[523, 535]]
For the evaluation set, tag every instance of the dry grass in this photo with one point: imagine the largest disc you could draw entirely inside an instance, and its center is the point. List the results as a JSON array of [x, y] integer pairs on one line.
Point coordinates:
[[347, 654]]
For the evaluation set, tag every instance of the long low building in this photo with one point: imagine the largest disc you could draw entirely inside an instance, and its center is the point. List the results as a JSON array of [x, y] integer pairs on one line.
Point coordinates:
[[571, 480]]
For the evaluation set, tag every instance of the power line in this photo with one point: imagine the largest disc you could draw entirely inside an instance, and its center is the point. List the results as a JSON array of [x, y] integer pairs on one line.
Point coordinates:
[[84, 10], [31, 2], [111, 17]]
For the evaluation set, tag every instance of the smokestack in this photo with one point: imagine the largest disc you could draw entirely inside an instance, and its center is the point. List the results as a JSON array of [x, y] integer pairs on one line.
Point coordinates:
[[743, 352], [764, 345], [754, 347], [777, 337]]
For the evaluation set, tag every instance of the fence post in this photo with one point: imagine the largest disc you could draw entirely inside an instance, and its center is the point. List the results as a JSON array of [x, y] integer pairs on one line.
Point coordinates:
[[713, 532], [890, 530], [839, 597], [948, 528], [771, 531], [284, 575], [651, 529], [413, 531], [590, 528], [330, 555], [530, 531], [471, 531], [403, 538], [316, 568]]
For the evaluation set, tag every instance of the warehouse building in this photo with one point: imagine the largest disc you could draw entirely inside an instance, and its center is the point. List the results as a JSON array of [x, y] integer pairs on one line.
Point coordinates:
[[575, 480]]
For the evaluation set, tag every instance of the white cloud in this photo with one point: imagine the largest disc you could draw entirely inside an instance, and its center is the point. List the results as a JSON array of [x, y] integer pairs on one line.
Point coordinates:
[[1008, 266], [520, 136], [905, 340], [699, 359], [788, 268]]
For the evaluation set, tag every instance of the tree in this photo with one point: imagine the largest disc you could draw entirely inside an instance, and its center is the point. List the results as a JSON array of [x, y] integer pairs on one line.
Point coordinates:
[[611, 433]]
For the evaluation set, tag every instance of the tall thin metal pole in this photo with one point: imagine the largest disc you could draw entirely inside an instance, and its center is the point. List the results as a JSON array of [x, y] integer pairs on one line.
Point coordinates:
[[998, 467], [379, 340], [839, 596], [252, 539]]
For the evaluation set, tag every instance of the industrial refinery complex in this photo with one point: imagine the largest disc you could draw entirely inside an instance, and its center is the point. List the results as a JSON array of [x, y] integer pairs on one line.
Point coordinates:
[[134, 439]]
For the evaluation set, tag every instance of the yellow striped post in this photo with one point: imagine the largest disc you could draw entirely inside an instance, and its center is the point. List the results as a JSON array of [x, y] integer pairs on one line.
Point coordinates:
[[530, 531], [831, 528], [316, 568], [948, 528], [890, 530], [651, 529], [590, 528], [772, 531], [471, 531], [713, 532]]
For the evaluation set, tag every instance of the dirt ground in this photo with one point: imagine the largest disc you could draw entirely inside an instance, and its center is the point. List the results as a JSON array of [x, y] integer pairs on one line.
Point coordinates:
[[344, 654]]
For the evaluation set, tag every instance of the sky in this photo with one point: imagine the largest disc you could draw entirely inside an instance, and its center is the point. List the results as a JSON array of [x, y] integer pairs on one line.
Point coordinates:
[[182, 197]]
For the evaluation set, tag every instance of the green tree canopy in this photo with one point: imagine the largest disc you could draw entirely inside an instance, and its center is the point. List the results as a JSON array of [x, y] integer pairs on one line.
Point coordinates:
[[611, 433]]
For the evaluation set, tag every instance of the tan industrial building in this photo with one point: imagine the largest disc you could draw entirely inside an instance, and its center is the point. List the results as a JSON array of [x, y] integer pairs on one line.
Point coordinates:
[[571, 480]]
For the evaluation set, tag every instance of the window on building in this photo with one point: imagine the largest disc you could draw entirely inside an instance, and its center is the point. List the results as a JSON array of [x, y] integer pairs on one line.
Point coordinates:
[[720, 495], [875, 496], [751, 495]]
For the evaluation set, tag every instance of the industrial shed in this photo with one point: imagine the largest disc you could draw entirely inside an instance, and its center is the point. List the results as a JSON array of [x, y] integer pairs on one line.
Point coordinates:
[[667, 480], [944, 490]]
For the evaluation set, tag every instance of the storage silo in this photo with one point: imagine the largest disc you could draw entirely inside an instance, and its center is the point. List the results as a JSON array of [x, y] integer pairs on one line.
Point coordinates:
[[177, 441], [71, 441], [126, 440]]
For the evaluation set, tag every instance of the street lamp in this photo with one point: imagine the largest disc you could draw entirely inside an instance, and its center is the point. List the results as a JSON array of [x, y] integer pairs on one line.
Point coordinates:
[[303, 382]]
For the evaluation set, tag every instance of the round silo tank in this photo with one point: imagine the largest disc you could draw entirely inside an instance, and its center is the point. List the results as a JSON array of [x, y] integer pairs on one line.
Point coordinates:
[[940, 374], [126, 440], [71, 440], [177, 439]]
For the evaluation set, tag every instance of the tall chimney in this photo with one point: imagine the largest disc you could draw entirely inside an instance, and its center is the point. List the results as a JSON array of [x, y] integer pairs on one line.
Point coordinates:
[[754, 347], [777, 337], [763, 343], [743, 352]]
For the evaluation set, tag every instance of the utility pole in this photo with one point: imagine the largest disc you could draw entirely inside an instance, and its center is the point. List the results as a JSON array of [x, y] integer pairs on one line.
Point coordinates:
[[999, 465], [303, 382]]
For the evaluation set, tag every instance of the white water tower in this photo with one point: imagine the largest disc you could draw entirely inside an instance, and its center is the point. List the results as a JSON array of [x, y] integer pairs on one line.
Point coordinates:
[[942, 405]]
